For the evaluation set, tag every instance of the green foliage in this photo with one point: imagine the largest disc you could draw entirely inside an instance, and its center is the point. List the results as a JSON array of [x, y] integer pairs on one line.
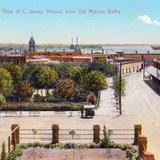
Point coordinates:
[[28, 71], [39, 98], [93, 81], [63, 70], [116, 86], [67, 89], [66, 107], [24, 91], [3, 152], [80, 79], [6, 82], [82, 96], [102, 66], [130, 150], [15, 71], [106, 142], [17, 152], [53, 99], [46, 76], [2, 98], [76, 72], [43, 77]]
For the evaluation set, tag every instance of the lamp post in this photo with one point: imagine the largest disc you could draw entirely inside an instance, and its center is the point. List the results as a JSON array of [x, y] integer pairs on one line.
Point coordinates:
[[72, 133]]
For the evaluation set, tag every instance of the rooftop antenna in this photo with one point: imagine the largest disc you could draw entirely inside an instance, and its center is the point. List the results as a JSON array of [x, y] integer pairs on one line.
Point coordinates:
[[72, 40], [72, 45], [77, 40]]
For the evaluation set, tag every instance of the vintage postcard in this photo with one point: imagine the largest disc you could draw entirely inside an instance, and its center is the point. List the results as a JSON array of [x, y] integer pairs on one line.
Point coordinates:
[[79, 80]]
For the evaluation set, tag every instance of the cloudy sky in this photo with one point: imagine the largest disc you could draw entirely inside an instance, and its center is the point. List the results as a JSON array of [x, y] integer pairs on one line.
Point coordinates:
[[94, 21]]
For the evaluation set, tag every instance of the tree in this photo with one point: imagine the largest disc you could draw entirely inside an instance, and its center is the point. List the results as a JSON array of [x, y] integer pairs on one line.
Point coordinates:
[[102, 66], [93, 81], [24, 91], [75, 73], [44, 77], [47, 76], [6, 82], [62, 70], [67, 89], [28, 71], [15, 71], [116, 85]]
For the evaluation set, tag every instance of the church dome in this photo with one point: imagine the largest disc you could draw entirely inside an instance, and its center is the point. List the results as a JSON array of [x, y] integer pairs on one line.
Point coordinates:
[[32, 41], [32, 44]]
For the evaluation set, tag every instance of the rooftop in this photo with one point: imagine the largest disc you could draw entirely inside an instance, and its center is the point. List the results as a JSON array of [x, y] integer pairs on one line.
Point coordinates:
[[154, 72]]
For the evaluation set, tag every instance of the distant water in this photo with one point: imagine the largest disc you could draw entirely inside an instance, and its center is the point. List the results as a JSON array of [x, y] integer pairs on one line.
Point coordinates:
[[129, 48], [109, 49]]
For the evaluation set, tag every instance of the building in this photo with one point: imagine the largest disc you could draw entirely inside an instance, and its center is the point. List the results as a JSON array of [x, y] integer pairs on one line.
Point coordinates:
[[154, 75], [131, 67], [13, 59]]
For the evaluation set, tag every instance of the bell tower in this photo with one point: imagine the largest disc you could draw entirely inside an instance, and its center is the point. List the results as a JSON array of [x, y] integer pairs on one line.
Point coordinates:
[[32, 44], [77, 47]]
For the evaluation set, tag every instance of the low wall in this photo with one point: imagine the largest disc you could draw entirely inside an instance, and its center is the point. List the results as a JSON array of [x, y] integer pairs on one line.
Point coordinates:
[[142, 143]]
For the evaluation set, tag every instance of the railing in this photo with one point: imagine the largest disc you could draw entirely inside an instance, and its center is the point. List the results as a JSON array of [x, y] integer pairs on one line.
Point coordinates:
[[80, 135], [121, 136], [34, 135]]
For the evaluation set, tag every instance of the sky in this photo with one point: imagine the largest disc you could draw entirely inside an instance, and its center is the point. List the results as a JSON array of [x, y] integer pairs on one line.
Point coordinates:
[[93, 21]]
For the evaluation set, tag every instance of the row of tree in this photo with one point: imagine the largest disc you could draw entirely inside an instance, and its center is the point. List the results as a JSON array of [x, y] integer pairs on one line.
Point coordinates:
[[18, 82]]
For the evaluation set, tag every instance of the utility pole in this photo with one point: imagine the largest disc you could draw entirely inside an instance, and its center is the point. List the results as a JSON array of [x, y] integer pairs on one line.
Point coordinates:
[[120, 82], [144, 69]]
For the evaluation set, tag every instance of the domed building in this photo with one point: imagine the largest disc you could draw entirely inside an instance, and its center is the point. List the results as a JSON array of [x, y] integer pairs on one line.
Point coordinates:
[[32, 44]]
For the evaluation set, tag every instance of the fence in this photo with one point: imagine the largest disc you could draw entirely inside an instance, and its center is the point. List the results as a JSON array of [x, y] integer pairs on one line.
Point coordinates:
[[56, 135], [122, 136]]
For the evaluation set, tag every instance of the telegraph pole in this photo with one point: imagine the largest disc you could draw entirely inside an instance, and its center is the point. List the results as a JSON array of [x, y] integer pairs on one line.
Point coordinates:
[[144, 69], [120, 96]]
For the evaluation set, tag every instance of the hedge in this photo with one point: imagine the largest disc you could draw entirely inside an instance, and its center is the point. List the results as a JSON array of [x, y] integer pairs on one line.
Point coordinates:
[[42, 108]]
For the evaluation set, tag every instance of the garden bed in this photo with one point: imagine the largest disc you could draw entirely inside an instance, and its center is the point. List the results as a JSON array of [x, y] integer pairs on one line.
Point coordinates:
[[70, 154], [67, 151]]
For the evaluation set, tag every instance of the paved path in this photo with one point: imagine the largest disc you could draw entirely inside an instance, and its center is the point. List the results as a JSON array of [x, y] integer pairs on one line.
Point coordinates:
[[142, 105], [107, 105]]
